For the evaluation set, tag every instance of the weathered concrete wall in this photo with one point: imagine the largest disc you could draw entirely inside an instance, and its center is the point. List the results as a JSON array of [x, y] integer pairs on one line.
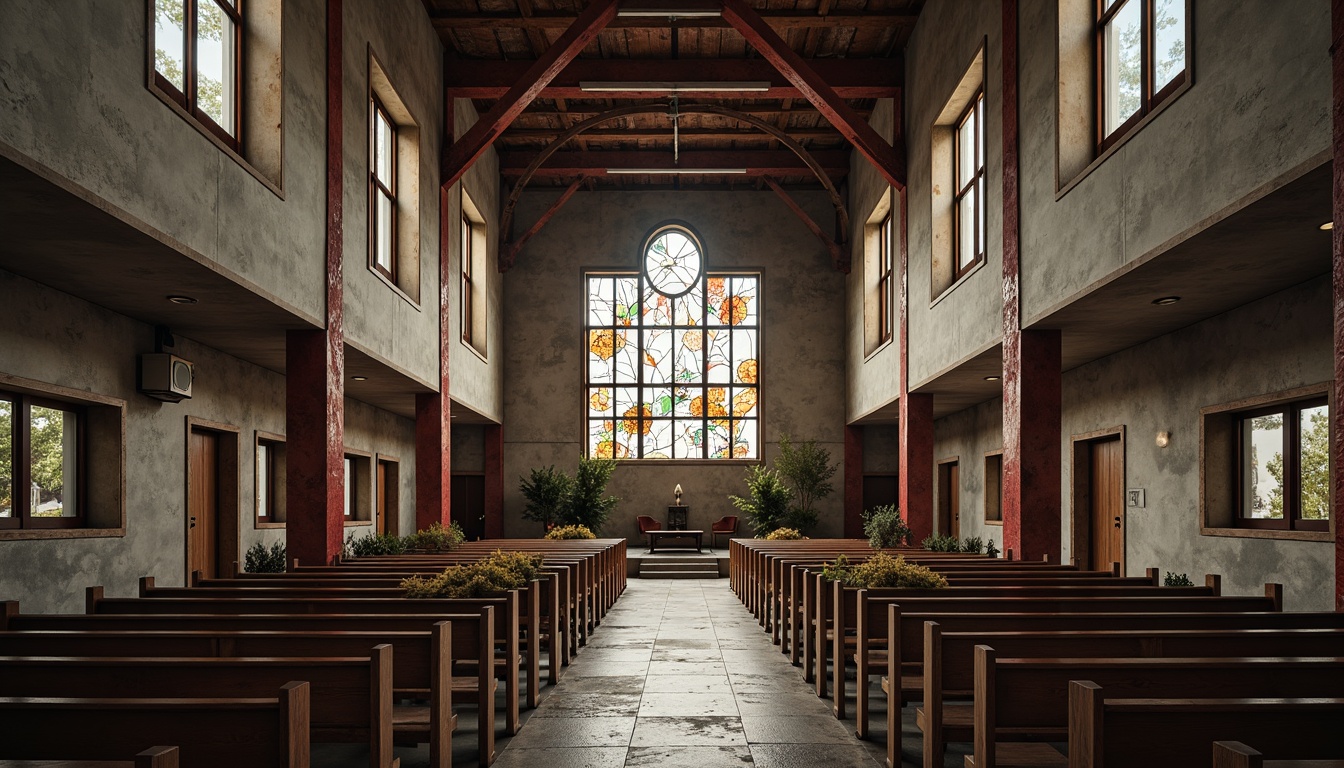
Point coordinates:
[[74, 99], [881, 449], [373, 430], [1259, 68], [400, 330], [54, 338], [968, 435], [469, 448], [1275, 344], [801, 361]]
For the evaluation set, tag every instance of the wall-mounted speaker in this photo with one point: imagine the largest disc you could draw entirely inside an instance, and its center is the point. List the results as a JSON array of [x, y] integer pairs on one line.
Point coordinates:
[[166, 377]]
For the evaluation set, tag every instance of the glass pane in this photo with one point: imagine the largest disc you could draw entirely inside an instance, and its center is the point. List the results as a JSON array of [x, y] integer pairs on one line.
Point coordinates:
[[349, 487], [602, 344], [981, 245], [215, 70], [626, 360], [966, 229], [745, 439], [716, 299], [689, 351], [1314, 453], [1168, 41], [744, 401], [745, 368], [599, 402], [744, 301], [658, 440], [6, 459], [627, 301], [980, 133], [1262, 467], [383, 230], [688, 439], [603, 443], [263, 480], [169, 33], [601, 300], [658, 356], [657, 307], [718, 357], [690, 309], [53, 434], [657, 402], [966, 142], [1123, 65], [384, 148], [719, 438]]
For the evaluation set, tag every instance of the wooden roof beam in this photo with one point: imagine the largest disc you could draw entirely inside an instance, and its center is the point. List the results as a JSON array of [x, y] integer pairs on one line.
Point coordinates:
[[815, 88], [446, 22], [768, 162], [638, 134], [464, 152], [848, 78]]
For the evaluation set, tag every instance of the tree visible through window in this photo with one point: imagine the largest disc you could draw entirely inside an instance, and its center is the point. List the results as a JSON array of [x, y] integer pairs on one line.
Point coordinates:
[[39, 463], [197, 56], [969, 204], [673, 376], [1285, 467], [1141, 51]]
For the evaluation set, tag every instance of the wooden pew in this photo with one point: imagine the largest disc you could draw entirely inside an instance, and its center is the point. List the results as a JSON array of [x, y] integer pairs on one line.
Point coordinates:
[[351, 697], [154, 757], [1027, 699], [1176, 733], [206, 731], [1234, 754]]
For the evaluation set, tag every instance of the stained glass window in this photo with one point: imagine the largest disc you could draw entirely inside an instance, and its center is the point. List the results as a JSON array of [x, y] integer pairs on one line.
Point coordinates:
[[673, 377]]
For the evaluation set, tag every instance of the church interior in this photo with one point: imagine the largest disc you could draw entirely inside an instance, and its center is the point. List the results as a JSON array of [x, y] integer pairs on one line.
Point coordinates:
[[911, 366]]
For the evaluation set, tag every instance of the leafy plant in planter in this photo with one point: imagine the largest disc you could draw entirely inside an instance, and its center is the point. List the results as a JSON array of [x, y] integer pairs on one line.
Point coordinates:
[[882, 570], [260, 559], [809, 470], [785, 534], [973, 544], [498, 573], [837, 570], [991, 549], [767, 505], [941, 544], [885, 528], [570, 532], [1177, 580], [436, 538], [547, 491], [372, 546], [585, 504]]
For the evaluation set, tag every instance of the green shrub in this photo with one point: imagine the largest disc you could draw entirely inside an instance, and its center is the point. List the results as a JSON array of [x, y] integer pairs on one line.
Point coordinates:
[[785, 534], [991, 550], [838, 570], [1177, 580], [500, 572], [436, 538], [767, 504], [372, 546], [941, 544], [883, 570], [586, 505], [259, 559], [547, 492], [885, 527], [570, 532], [809, 470], [974, 544]]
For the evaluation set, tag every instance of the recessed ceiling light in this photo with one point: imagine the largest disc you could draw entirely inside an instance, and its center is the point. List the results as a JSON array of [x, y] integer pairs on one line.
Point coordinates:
[[1165, 300], [360, 378], [991, 378], [1327, 226], [181, 299]]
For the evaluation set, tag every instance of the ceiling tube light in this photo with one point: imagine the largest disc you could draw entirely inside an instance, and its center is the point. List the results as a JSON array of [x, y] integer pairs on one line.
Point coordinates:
[[668, 13], [759, 86], [666, 171]]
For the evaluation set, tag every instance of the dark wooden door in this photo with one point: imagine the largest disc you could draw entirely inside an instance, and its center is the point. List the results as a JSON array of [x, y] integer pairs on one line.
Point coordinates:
[[949, 499], [879, 490], [381, 513], [469, 505], [203, 503], [1106, 502]]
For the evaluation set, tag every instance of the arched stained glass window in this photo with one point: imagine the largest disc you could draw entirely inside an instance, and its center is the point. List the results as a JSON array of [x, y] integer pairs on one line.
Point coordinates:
[[672, 366]]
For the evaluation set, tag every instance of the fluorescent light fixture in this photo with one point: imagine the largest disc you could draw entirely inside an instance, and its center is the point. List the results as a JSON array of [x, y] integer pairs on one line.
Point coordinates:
[[668, 13], [758, 86], [665, 171]]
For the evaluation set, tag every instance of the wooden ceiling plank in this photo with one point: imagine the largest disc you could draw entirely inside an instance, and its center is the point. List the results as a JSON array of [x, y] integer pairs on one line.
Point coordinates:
[[463, 153], [884, 157], [777, 162], [781, 19]]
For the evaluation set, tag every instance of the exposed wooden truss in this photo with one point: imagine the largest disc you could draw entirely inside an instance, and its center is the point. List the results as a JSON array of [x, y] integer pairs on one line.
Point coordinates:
[[756, 162], [839, 252]]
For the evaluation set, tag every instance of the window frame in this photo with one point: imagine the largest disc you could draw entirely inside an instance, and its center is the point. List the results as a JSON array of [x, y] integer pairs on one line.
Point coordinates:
[[885, 293], [376, 188], [1291, 411], [975, 107], [275, 447], [1150, 99], [22, 517], [186, 97]]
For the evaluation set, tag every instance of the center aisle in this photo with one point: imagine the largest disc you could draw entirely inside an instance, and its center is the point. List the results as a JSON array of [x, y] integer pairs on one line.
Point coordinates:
[[680, 674]]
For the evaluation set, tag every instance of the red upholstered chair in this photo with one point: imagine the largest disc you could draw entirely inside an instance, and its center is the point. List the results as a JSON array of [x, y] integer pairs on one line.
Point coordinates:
[[724, 526], [647, 524]]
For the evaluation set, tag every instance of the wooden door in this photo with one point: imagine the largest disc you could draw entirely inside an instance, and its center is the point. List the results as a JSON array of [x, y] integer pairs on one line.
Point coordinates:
[[203, 502], [949, 499], [380, 498], [880, 490], [469, 505], [1106, 502]]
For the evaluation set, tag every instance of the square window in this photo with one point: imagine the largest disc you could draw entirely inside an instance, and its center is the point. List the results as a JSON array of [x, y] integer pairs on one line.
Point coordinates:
[[198, 61], [1142, 59], [1283, 466], [41, 463]]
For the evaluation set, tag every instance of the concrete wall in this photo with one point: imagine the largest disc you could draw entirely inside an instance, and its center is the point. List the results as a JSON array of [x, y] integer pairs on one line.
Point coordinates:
[[469, 449], [56, 339], [968, 435], [881, 449], [802, 364]]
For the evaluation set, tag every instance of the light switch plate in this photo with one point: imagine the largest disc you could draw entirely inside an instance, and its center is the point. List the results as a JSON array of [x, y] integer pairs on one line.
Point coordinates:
[[1136, 497]]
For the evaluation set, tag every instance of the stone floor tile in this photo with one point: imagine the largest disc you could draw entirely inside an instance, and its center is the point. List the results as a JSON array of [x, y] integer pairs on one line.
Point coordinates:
[[707, 668], [688, 757], [812, 756], [789, 729], [571, 757], [688, 684], [687, 705], [546, 732], [572, 684], [590, 705], [688, 732]]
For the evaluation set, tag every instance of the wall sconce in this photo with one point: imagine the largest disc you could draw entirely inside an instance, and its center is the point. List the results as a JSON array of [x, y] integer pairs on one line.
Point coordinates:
[[677, 493], [1163, 439]]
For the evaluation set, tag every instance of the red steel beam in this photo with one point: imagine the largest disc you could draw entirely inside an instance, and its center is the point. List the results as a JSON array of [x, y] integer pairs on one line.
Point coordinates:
[[813, 87], [1337, 412], [433, 410], [315, 365], [914, 430], [849, 78], [534, 80], [777, 162], [508, 253], [839, 255]]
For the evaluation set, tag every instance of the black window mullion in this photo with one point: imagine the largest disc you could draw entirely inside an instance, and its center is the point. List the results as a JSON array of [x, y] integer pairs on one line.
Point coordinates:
[[1292, 465], [23, 478]]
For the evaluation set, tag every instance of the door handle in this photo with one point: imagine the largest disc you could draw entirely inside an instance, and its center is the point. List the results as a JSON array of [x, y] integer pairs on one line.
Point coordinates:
[[193, 521], [1117, 521]]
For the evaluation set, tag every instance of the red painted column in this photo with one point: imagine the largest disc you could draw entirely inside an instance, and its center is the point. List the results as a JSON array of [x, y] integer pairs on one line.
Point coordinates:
[[433, 410], [853, 482], [315, 368], [494, 481], [1337, 412], [915, 414], [1031, 365]]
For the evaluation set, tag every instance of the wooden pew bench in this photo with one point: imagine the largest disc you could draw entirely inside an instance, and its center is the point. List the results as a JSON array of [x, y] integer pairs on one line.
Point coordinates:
[[1177, 733], [154, 757], [1234, 754], [206, 731]]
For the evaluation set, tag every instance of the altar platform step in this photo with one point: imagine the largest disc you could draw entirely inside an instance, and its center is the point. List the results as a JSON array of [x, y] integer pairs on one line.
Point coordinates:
[[661, 566]]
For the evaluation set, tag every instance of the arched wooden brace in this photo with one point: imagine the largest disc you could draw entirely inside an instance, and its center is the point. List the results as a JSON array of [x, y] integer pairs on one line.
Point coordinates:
[[508, 251]]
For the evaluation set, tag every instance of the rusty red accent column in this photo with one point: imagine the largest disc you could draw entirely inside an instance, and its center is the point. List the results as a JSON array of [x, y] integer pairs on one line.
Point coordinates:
[[915, 412], [1337, 412], [1032, 384], [494, 481], [853, 482], [315, 368], [433, 410]]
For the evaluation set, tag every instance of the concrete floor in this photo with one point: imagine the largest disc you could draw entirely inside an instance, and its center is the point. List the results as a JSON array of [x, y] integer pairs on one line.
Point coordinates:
[[678, 674]]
